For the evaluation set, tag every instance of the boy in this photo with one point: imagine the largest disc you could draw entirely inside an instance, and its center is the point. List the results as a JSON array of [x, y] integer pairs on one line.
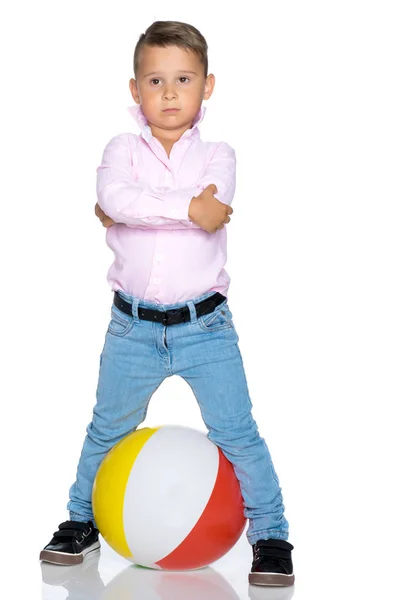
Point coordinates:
[[164, 197]]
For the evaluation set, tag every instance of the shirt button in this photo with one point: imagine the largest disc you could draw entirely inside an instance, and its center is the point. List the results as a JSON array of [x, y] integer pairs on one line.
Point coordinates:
[[156, 280]]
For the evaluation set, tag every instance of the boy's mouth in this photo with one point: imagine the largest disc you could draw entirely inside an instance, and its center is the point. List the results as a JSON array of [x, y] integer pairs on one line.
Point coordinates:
[[171, 109]]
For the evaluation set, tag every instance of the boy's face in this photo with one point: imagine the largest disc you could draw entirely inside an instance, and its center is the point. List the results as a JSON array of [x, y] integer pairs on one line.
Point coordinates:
[[170, 77]]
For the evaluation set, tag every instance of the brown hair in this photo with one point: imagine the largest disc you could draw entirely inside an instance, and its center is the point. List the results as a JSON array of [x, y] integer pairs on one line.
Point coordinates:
[[173, 33]]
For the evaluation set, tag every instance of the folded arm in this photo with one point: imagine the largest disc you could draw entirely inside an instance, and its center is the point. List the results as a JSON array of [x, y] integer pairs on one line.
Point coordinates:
[[137, 204]]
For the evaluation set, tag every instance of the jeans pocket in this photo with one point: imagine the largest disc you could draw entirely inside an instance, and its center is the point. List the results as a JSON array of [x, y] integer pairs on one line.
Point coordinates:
[[220, 318], [120, 323]]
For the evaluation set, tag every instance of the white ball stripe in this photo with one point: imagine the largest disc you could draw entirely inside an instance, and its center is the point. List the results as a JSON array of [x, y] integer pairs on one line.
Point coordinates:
[[172, 498]]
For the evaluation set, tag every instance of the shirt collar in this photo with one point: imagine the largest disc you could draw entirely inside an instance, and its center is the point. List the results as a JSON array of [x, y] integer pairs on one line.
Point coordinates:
[[139, 117]]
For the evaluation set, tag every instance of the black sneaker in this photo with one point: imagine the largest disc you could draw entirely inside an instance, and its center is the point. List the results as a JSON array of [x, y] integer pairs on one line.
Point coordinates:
[[71, 543], [272, 563]]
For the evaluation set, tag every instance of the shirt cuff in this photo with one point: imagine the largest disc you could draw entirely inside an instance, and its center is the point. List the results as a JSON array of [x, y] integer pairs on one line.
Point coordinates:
[[176, 203]]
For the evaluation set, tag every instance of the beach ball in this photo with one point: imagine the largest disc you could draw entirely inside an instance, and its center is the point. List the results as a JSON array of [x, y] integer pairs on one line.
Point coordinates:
[[168, 498]]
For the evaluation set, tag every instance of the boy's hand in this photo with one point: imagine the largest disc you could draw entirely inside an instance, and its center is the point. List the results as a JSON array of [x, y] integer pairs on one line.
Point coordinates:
[[106, 221], [207, 212]]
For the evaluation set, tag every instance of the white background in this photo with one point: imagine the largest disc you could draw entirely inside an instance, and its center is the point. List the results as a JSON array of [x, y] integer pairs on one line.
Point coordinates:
[[308, 95]]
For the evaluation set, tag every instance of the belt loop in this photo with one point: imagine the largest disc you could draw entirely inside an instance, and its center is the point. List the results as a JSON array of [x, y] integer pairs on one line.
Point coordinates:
[[192, 308], [135, 309]]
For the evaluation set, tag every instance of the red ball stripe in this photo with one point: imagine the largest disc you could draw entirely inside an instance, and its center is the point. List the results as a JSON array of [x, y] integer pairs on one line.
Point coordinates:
[[219, 527]]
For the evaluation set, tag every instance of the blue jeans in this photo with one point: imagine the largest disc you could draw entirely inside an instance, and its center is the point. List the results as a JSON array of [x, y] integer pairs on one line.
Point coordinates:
[[205, 352]]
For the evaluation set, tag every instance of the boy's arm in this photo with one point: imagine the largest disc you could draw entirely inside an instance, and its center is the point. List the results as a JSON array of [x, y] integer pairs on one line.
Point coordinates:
[[219, 171], [137, 204]]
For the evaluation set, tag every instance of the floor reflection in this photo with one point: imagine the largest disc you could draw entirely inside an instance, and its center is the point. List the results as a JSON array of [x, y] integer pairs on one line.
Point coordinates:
[[83, 582]]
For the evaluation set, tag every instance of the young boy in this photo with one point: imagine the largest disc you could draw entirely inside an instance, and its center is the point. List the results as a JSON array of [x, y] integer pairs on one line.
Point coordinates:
[[164, 197]]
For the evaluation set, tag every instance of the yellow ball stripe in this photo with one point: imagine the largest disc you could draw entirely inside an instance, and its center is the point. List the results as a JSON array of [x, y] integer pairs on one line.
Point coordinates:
[[110, 485]]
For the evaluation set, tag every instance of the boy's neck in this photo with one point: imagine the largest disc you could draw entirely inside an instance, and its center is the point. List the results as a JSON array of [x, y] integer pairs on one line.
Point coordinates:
[[168, 137]]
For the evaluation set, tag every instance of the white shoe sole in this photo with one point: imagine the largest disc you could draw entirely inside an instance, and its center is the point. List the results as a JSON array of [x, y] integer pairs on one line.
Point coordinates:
[[65, 558], [273, 579]]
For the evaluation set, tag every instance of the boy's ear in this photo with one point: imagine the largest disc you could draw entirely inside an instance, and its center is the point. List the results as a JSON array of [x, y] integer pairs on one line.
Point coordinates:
[[134, 90], [209, 86]]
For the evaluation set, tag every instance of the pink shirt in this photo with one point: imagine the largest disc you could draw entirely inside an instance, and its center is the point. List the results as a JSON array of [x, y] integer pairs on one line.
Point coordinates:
[[160, 255]]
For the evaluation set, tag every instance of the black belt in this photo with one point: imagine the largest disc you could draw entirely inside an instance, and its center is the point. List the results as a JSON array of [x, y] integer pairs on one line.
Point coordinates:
[[172, 316]]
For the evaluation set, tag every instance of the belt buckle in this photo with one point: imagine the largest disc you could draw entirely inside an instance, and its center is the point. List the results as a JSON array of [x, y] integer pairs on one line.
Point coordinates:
[[172, 317]]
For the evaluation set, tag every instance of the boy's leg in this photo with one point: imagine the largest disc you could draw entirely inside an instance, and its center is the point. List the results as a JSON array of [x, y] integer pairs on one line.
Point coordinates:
[[131, 370], [209, 360]]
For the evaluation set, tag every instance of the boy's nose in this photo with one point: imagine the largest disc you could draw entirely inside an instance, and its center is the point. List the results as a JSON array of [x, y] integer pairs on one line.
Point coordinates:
[[169, 92]]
